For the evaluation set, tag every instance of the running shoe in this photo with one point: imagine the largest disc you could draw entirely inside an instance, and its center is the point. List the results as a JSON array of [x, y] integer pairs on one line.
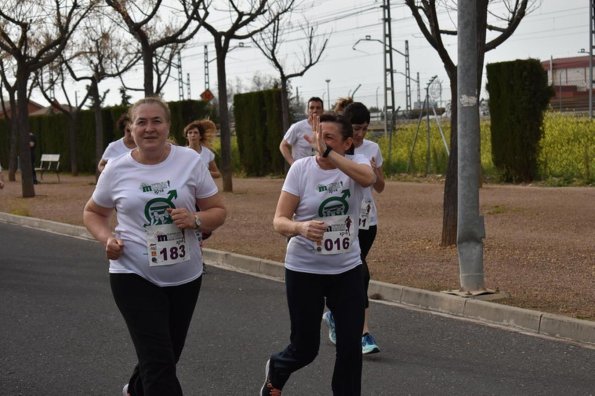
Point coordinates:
[[330, 322], [267, 388], [369, 344]]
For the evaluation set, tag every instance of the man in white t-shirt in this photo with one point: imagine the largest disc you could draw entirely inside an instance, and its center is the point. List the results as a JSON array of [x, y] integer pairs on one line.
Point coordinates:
[[120, 146], [294, 146]]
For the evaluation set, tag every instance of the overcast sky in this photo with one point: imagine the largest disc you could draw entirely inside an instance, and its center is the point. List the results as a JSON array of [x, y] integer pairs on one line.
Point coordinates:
[[555, 29]]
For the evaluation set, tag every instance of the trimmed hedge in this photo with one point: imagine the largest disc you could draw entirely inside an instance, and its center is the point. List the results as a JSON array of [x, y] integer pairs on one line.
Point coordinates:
[[52, 132], [259, 130], [519, 95]]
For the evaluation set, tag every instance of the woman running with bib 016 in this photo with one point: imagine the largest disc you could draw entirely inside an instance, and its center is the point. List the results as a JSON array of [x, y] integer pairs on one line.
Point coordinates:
[[319, 209], [155, 261]]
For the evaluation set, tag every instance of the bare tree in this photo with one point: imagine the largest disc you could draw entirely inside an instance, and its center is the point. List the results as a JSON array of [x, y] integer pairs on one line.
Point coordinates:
[[7, 69], [270, 42], [34, 33], [101, 54], [244, 16], [504, 17], [159, 41], [9, 113], [55, 76]]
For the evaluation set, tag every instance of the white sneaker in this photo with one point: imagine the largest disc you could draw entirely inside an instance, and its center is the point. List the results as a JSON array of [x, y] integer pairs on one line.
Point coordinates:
[[327, 317]]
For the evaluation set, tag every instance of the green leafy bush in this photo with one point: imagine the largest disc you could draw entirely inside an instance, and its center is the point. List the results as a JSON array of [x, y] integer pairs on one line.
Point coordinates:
[[406, 157], [567, 150]]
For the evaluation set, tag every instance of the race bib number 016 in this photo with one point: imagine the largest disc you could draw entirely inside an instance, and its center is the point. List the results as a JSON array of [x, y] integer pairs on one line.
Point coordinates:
[[166, 245], [338, 235]]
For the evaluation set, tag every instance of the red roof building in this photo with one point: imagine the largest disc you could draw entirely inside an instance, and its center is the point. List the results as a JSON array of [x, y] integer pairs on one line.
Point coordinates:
[[32, 107], [570, 80]]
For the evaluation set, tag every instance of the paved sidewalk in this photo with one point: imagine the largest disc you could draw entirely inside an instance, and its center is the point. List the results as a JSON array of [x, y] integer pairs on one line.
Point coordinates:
[[524, 320]]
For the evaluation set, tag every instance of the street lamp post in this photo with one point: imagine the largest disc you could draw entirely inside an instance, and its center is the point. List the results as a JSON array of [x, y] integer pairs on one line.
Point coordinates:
[[328, 93], [407, 70], [377, 97]]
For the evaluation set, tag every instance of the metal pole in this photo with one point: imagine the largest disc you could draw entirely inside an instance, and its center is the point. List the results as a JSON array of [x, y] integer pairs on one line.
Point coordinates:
[[384, 43], [180, 77], [328, 93], [206, 68], [188, 84], [560, 90], [377, 97], [418, 89], [470, 226], [407, 78], [389, 77], [428, 136], [591, 32]]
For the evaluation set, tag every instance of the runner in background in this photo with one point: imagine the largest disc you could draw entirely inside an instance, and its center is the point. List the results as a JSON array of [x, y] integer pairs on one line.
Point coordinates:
[[359, 117], [120, 146], [293, 145]]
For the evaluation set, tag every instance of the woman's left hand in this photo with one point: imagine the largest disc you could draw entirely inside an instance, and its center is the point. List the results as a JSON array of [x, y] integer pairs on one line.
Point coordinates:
[[182, 217], [316, 140]]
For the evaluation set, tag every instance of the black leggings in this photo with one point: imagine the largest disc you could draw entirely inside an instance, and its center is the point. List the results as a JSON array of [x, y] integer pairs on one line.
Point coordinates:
[[158, 319], [306, 295], [366, 239]]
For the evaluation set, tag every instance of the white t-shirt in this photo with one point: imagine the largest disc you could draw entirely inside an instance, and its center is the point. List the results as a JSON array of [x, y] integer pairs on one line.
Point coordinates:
[[206, 155], [323, 193], [141, 194], [370, 149], [115, 149], [300, 147]]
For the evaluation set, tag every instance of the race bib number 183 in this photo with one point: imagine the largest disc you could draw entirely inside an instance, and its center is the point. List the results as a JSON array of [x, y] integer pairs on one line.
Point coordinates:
[[166, 245]]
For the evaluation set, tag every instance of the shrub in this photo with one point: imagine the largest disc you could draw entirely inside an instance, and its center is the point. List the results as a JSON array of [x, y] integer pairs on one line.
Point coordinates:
[[567, 149], [519, 95]]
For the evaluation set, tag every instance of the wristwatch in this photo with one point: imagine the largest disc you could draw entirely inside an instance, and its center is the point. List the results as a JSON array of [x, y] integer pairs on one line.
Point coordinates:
[[197, 222], [327, 151]]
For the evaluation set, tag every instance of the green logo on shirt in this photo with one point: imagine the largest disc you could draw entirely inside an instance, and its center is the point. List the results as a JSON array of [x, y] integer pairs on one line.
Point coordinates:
[[156, 209], [335, 206]]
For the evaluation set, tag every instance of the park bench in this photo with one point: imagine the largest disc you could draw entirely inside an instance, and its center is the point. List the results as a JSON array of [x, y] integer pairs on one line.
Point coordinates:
[[49, 163]]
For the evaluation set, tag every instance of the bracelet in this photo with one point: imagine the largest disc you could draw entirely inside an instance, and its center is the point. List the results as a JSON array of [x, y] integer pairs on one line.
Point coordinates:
[[327, 151]]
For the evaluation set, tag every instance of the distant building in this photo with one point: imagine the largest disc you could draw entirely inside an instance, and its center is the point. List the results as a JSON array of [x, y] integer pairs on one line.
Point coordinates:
[[570, 80], [35, 109], [32, 107]]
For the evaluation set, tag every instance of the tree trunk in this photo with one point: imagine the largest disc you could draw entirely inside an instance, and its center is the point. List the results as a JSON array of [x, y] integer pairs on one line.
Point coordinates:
[[148, 71], [94, 88], [226, 168], [22, 117], [72, 134], [284, 104], [14, 141], [450, 207]]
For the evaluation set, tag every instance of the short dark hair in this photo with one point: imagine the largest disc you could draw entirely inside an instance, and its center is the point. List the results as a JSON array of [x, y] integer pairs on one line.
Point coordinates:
[[316, 99], [346, 129], [357, 113], [123, 122], [344, 125]]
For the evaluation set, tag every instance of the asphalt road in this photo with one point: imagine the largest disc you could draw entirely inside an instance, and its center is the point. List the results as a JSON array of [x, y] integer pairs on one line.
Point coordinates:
[[61, 334]]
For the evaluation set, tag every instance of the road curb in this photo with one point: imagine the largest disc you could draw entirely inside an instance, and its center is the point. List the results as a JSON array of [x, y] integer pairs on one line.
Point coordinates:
[[558, 326]]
